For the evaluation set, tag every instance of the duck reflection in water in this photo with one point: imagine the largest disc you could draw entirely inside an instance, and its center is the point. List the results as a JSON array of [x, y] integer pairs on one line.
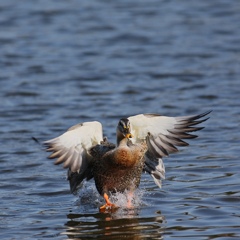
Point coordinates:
[[141, 142], [124, 225]]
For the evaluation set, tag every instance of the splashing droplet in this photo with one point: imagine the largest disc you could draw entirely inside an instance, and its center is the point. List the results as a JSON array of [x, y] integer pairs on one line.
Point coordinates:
[[128, 201]]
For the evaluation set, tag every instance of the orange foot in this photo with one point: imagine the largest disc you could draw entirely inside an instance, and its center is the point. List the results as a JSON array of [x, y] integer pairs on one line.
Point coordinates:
[[108, 206], [129, 200]]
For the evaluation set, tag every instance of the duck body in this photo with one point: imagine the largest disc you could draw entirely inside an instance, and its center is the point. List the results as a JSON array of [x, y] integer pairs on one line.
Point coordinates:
[[142, 141], [117, 169]]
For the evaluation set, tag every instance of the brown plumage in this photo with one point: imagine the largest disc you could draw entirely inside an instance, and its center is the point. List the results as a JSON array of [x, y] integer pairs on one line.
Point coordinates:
[[117, 170]]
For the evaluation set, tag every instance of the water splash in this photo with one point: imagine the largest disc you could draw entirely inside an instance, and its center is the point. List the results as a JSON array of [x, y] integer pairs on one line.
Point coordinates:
[[88, 197], [126, 201]]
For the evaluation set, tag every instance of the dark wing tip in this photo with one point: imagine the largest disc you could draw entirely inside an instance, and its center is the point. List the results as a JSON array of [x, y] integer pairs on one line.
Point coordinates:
[[195, 117], [164, 144]]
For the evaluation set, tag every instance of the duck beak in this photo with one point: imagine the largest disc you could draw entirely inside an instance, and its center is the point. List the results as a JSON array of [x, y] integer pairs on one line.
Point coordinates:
[[128, 135]]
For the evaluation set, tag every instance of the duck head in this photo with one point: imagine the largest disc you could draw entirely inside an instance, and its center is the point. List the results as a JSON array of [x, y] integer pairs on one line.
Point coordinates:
[[123, 130]]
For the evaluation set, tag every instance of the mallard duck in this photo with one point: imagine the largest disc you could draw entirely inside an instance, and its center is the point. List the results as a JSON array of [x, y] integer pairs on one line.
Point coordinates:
[[142, 141]]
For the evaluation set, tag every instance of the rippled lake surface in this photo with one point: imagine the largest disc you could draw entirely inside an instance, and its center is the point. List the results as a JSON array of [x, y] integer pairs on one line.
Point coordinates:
[[65, 62]]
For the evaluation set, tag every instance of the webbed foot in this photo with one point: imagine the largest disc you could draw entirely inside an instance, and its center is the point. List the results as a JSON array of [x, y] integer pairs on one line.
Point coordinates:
[[108, 207]]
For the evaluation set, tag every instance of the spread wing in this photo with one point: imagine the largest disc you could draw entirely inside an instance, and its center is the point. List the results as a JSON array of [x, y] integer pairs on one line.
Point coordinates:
[[71, 148], [163, 134]]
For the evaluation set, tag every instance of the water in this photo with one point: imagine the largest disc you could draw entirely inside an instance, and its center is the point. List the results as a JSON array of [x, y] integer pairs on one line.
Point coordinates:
[[64, 62]]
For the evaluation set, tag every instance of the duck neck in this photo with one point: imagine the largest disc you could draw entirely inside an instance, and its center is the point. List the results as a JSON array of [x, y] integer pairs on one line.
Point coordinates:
[[121, 141]]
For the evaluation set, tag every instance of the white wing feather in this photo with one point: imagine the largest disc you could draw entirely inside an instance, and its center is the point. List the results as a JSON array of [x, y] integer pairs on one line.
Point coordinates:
[[71, 147], [162, 134], [143, 124]]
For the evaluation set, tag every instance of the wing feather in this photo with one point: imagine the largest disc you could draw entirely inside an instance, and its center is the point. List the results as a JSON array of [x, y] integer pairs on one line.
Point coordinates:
[[71, 148], [155, 148], [155, 167], [163, 134], [168, 145], [173, 140], [56, 154], [62, 158], [68, 161]]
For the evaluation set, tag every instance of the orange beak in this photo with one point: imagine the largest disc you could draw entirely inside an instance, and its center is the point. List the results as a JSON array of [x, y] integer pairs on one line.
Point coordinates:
[[128, 135]]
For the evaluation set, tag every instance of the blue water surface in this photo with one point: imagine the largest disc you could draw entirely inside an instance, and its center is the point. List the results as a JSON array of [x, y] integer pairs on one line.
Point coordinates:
[[65, 62]]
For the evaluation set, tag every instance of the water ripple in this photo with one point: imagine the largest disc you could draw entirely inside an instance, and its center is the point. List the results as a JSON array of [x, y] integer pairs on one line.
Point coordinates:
[[81, 61]]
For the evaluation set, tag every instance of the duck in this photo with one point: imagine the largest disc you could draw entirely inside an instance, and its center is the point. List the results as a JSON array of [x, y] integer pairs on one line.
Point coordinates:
[[141, 142]]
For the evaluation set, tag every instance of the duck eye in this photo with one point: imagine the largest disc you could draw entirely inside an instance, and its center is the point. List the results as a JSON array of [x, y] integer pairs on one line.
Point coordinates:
[[124, 123]]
